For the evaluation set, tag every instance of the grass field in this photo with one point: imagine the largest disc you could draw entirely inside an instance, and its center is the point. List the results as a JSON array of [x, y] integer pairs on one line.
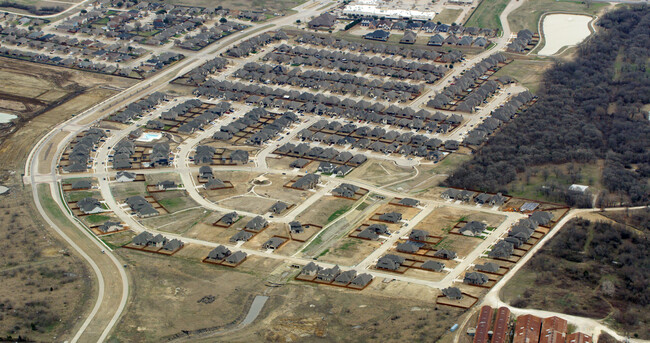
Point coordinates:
[[528, 14], [448, 16], [486, 15], [527, 72]]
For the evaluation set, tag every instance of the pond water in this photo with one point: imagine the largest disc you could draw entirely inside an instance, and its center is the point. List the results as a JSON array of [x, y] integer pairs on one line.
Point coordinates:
[[562, 30], [6, 117]]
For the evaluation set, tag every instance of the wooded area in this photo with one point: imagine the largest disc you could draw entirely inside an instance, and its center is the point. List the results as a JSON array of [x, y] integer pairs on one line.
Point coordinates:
[[594, 269], [588, 109]]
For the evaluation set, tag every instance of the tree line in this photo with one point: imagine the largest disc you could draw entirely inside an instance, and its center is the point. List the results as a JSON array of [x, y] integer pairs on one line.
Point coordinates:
[[588, 109]]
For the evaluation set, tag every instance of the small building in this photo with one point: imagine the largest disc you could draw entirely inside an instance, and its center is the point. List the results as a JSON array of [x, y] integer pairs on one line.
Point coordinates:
[[165, 185], [409, 202], [472, 228], [361, 280], [81, 184], [390, 262], [241, 236], [273, 243], [236, 257], [325, 20], [406, 247], [446, 254], [310, 269], [433, 265], [392, 217], [219, 253], [307, 182], [90, 205], [296, 227], [124, 176], [452, 293], [110, 226], [230, 218], [488, 267], [418, 235], [475, 278], [379, 35], [278, 207], [257, 224]]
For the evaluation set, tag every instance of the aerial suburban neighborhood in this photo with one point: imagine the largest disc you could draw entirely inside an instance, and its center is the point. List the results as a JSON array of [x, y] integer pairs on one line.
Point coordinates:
[[466, 171]]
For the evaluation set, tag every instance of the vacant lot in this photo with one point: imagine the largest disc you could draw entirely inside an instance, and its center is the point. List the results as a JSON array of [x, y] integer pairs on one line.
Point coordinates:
[[165, 297], [179, 222], [325, 210], [591, 269], [23, 81], [174, 201], [528, 14], [386, 312], [381, 172], [44, 287], [527, 72], [486, 15], [448, 16]]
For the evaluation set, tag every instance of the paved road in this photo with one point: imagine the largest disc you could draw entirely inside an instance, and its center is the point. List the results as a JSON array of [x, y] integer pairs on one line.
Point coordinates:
[[99, 322]]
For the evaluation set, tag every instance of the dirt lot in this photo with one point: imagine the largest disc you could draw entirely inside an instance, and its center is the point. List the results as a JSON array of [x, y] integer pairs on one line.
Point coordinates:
[[349, 251], [165, 295], [123, 190], [53, 94], [380, 172], [323, 210], [179, 222], [44, 287], [386, 312]]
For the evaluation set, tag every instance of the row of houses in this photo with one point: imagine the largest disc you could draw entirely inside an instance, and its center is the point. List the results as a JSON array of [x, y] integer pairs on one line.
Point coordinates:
[[319, 104], [381, 49], [519, 234], [425, 26], [255, 43], [138, 108], [406, 144], [208, 116], [199, 74], [467, 196], [324, 154], [335, 274], [521, 42], [147, 239], [334, 132], [204, 38], [222, 253], [463, 41], [79, 156], [465, 82], [327, 81], [266, 129], [84, 48], [205, 154], [501, 115], [356, 63]]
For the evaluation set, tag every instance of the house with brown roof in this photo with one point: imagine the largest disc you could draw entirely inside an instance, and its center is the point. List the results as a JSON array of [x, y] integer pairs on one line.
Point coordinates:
[[527, 329]]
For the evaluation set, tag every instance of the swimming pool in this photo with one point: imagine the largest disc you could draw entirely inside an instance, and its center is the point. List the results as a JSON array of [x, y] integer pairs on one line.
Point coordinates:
[[149, 137]]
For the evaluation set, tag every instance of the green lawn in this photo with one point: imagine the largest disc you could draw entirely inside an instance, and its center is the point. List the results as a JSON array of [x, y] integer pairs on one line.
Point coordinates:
[[96, 218], [76, 196], [486, 15], [172, 204], [448, 16], [528, 14], [337, 213]]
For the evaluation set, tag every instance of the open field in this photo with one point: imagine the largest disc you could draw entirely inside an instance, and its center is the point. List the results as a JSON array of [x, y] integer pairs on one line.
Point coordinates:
[[165, 297], [527, 72], [528, 14], [27, 79], [380, 172], [486, 14], [123, 190], [179, 222], [44, 286], [386, 312], [325, 210], [448, 16]]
